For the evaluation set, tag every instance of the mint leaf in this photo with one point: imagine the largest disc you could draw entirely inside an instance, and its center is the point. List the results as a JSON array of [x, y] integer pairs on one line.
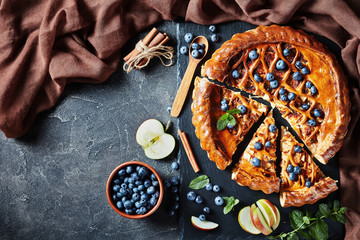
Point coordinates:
[[343, 209], [230, 204], [304, 234], [336, 205], [199, 182], [234, 111], [319, 230], [324, 210], [296, 218], [340, 218], [222, 122], [292, 236], [306, 220], [231, 120]]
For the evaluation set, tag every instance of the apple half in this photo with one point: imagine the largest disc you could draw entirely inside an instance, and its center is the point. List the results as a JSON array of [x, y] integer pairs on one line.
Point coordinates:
[[152, 138], [203, 225], [246, 222]]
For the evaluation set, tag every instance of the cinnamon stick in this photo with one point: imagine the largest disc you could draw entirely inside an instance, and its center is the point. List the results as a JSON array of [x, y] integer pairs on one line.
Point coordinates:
[[147, 39], [188, 151], [159, 39]]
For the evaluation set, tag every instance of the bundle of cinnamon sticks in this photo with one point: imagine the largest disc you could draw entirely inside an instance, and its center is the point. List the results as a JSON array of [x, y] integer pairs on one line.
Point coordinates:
[[152, 39]]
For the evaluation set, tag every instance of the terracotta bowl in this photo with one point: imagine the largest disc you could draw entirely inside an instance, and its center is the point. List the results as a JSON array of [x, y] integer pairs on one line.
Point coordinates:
[[109, 191]]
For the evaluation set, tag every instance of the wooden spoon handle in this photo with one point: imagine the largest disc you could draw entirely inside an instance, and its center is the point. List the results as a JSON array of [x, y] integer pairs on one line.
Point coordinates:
[[183, 89]]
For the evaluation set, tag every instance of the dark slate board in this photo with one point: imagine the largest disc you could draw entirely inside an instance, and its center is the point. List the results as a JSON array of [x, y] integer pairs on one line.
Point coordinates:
[[229, 227]]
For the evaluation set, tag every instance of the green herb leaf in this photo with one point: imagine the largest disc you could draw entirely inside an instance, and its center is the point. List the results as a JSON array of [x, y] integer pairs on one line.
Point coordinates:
[[319, 230], [199, 182], [230, 204], [336, 205], [341, 218], [324, 210], [292, 236], [306, 220], [296, 218], [234, 111], [232, 120], [343, 209], [272, 237], [222, 122], [304, 234]]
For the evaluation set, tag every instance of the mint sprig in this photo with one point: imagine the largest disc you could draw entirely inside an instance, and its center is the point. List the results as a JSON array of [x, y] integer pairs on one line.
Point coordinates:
[[230, 204], [315, 227], [199, 182], [227, 118]]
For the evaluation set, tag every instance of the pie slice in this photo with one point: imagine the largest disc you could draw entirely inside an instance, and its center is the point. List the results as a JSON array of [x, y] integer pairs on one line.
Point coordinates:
[[256, 168], [296, 74], [302, 182], [210, 102]]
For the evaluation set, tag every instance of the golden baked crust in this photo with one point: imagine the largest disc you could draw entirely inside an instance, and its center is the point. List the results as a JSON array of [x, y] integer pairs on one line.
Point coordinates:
[[332, 97], [261, 177], [221, 145], [294, 192]]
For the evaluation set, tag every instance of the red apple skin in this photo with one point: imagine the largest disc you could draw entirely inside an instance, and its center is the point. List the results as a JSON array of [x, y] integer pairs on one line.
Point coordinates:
[[202, 229], [273, 208], [254, 214]]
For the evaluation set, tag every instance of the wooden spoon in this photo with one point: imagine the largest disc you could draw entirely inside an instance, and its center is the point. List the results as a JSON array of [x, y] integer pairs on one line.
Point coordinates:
[[188, 76]]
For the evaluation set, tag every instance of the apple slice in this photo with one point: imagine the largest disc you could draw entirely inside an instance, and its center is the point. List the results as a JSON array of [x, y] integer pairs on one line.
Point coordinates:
[[245, 221], [259, 221], [203, 225], [268, 210], [152, 138], [277, 219]]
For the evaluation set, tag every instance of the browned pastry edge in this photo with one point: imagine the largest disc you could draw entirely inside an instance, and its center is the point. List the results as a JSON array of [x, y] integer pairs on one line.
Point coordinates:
[[216, 67], [319, 190]]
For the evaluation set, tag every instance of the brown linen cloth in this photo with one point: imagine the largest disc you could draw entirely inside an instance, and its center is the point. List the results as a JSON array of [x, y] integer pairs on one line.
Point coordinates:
[[45, 44]]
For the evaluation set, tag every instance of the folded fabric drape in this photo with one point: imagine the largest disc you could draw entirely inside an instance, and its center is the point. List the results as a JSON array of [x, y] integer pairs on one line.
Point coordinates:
[[45, 44]]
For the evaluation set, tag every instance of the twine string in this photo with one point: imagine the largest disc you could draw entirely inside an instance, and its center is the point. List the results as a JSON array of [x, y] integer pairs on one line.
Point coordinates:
[[147, 53]]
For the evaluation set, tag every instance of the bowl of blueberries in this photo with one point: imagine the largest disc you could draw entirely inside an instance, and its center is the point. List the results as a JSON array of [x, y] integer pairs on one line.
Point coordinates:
[[134, 190]]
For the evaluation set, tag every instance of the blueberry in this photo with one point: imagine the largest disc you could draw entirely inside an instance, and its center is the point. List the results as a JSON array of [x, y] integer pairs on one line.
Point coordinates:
[[206, 209], [212, 28], [195, 54], [129, 211], [272, 128], [115, 197], [126, 180], [135, 197], [313, 90], [282, 91], [270, 76], [291, 96], [141, 187], [255, 162], [257, 77], [297, 170], [201, 52], [174, 189], [317, 112], [280, 64], [150, 190], [292, 176], [308, 84], [153, 201], [147, 183], [175, 165], [308, 184], [175, 181], [199, 199], [216, 188], [138, 204], [274, 84], [253, 54], [290, 168], [283, 98], [155, 183], [116, 188], [153, 177], [167, 183], [312, 122], [135, 175], [202, 217], [268, 144], [184, 50], [129, 169], [131, 185], [172, 212], [123, 199], [223, 101], [297, 76], [235, 73], [144, 196], [128, 204], [143, 202], [156, 194], [305, 70], [208, 187], [224, 107], [131, 180], [219, 201], [297, 148], [258, 145], [229, 126], [176, 206], [188, 37], [143, 210], [122, 192], [122, 172], [242, 109], [177, 198], [138, 211], [201, 46], [129, 191], [286, 52], [191, 196], [143, 171], [305, 106], [298, 65], [214, 38], [195, 46], [124, 185]]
